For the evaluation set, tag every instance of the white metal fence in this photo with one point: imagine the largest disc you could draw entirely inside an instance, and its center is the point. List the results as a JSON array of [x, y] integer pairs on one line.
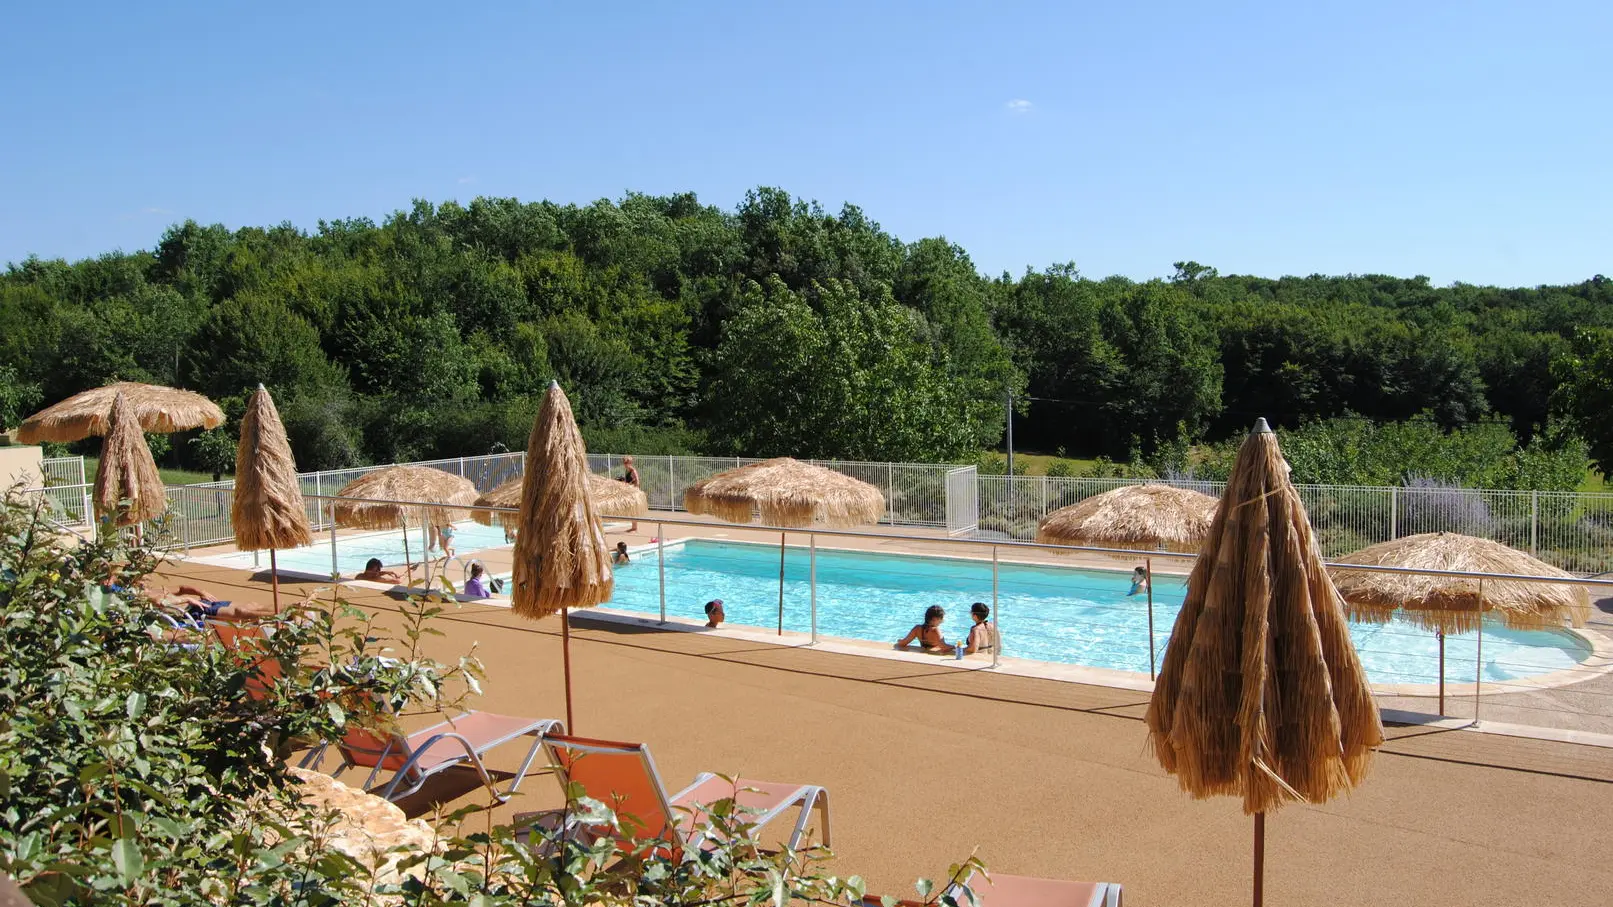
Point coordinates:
[[66, 489], [918, 495], [1571, 530]]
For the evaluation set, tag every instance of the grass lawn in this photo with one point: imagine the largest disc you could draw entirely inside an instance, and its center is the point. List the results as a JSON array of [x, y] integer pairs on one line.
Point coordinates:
[[1035, 464], [169, 476]]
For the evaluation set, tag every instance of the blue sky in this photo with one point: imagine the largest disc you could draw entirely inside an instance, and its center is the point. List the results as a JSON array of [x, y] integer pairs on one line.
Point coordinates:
[[1460, 140]]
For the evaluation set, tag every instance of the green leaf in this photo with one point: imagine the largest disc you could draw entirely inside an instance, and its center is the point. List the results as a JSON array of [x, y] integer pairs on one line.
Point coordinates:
[[924, 887], [336, 713], [135, 705], [128, 860]]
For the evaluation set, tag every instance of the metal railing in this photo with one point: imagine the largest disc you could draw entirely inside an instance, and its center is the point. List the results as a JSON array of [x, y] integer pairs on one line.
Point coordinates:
[[1578, 696], [1571, 530]]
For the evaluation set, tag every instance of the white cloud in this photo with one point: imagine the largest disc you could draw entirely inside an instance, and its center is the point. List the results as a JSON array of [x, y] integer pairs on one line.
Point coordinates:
[[155, 211], [465, 180], [1018, 105]]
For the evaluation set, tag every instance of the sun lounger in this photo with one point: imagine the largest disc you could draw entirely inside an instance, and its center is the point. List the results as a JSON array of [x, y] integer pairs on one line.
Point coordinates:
[[463, 740], [250, 639], [1022, 891], [623, 776]]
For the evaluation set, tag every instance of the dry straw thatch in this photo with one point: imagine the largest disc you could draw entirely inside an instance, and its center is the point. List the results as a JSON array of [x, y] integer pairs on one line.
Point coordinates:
[[1451, 603], [788, 494], [161, 410], [1143, 517], [610, 497], [1261, 694], [561, 559], [268, 509], [127, 472], [414, 484]]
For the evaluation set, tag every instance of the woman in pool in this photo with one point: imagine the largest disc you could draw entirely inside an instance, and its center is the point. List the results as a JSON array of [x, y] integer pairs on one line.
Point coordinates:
[[476, 584], [928, 634], [1139, 581], [983, 635], [619, 556]]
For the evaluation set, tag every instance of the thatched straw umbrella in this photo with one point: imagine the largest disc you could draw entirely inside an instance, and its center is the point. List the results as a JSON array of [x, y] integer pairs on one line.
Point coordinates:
[[610, 498], [127, 472], [789, 494], [268, 510], [1453, 604], [1456, 604], [561, 559], [1143, 517], [441, 492], [1262, 694], [160, 409]]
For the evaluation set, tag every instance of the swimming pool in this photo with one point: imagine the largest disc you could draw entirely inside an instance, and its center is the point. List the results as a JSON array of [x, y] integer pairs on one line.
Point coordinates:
[[353, 550], [1055, 614]]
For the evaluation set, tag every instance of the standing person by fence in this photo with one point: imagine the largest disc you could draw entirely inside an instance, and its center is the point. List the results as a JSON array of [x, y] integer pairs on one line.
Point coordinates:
[[630, 476]]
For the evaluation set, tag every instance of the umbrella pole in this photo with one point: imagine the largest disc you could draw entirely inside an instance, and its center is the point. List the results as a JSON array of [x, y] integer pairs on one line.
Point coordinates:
[[781, 584], [565, 661], [274, 581], [1441, 635], [1148, 578], [1260, 859]]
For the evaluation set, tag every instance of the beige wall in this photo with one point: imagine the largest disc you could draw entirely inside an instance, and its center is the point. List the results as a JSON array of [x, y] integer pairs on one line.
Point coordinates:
[[21, 464]]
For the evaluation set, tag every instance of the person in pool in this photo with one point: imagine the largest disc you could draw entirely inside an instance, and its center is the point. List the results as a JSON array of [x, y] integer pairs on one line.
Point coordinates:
[[928, 634], [374, 573], [476, 584], [714, 613], [619, 556], [1139, 581], [983, 635]]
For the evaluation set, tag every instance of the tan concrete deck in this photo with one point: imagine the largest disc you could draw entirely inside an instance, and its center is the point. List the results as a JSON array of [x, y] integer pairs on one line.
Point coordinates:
[[925, 761]]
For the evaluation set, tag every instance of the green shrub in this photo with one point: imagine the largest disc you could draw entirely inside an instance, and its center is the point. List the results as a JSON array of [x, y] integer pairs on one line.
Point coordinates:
[[1061, 468]]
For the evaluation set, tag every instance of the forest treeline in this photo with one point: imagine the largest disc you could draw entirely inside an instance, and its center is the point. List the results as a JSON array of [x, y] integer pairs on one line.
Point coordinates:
[[776, 328]]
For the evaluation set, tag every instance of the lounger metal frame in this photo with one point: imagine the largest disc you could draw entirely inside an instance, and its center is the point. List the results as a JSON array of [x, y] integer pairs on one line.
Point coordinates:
[[398, 743], [808, 796]]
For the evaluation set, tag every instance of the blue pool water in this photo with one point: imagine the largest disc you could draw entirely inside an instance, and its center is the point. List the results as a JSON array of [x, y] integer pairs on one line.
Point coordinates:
[[1054, 614], [353, 551]]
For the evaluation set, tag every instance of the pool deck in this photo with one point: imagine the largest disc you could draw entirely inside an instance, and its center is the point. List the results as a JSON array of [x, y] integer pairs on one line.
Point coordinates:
[[925, 762]]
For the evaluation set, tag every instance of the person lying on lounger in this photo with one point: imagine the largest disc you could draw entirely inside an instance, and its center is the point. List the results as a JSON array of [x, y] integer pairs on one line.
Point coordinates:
[[197, 603], [928, 634], [374, 573]]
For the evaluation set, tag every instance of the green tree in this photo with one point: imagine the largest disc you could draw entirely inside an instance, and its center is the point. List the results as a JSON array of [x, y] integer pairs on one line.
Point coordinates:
[[17, 397], [1585, 392]]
